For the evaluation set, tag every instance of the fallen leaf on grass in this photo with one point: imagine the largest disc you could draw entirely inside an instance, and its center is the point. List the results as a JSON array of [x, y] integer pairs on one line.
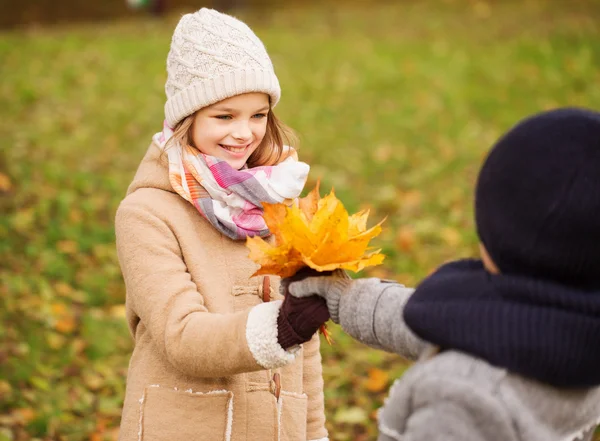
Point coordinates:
[[377, 381]]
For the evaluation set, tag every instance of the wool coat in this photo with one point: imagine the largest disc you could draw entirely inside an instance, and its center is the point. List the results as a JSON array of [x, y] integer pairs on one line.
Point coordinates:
[[206, 364]]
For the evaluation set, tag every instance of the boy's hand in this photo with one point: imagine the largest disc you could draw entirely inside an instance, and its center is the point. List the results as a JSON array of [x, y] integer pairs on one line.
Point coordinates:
[[329, 285]]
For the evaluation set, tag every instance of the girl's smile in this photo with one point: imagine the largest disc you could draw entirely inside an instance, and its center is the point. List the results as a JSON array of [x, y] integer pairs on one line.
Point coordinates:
[[234, 150]]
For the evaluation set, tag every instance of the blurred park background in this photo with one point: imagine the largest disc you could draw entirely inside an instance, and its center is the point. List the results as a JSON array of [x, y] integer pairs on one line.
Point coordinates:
[[396, 104]]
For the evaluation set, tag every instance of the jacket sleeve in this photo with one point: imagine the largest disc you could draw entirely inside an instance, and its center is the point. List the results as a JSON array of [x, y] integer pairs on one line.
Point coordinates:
[[371, 311], [162, 297], [313, 388], [443, 408]]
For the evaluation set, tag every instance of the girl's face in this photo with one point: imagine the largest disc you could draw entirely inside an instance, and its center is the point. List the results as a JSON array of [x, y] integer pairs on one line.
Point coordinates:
[[233, 128]]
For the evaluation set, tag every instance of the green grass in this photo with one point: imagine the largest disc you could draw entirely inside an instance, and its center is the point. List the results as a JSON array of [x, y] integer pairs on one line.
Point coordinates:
[[395, 106]]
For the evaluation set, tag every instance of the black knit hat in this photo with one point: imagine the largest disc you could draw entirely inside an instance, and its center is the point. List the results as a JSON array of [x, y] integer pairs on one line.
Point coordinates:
[[537, 203]]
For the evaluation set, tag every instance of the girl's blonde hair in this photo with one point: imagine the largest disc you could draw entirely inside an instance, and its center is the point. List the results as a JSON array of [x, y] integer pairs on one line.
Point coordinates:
[[269, 152]]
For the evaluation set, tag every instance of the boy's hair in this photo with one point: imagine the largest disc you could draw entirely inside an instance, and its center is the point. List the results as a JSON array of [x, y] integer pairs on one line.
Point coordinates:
[[269, 152]]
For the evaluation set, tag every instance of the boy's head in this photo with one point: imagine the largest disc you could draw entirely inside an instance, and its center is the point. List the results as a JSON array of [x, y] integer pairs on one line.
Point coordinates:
[[537, 201]]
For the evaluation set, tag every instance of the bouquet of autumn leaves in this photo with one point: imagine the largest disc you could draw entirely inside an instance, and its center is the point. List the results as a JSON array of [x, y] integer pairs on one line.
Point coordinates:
[[314, 232]]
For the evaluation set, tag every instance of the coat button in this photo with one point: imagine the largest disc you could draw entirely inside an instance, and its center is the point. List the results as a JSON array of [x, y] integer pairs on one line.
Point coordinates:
[[266, 289], [276, 385]]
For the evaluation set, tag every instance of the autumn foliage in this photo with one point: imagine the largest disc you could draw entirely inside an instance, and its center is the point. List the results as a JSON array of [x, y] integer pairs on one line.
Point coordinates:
[[397, 118], [315, 232]]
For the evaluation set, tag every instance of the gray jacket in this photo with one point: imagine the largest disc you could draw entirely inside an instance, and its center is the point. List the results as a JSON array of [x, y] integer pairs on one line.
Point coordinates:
[[450, 396]]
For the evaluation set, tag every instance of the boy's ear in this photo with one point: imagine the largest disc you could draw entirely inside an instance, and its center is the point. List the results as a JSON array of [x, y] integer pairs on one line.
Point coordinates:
[[488, 263]]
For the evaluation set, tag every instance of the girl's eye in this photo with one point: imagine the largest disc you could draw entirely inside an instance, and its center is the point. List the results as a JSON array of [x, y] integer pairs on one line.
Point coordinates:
[[223, 116], [259, 115]]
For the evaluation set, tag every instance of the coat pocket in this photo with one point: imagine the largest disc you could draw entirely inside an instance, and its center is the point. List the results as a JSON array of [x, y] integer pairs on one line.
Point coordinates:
[[293, 408], [174, 415]]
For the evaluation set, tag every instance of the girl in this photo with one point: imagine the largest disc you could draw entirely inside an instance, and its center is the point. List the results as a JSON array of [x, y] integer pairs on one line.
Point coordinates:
[[517, 353], [217, 356]]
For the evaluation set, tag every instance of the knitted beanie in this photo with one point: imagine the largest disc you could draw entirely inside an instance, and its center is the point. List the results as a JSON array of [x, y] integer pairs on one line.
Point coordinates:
[[214, 56], [537, 203]]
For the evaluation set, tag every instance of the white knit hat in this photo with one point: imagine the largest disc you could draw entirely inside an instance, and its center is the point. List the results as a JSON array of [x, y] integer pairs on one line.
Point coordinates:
[[214, 56]]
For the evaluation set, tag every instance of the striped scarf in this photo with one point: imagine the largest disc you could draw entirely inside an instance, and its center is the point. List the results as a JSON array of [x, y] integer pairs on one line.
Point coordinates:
[[231, 199]]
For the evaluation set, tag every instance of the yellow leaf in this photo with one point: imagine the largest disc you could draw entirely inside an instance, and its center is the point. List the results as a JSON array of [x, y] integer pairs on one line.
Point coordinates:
[[23, 415], [383, 153], [117, 311], [377, 381], [405, 238], [5, 388], [63, 289], [78, 345], [411, 200], [5, 184], [331, 218], [65, 325], [451, 236], [357, 223], [273, 214], [67, 246], [296, 233], [323, 330], [58, 308], [64, 321], [75, 215], [112, 434], [92, 380], [309, 204], [282, 261], [23, 220], [316, 232], [55, 341]]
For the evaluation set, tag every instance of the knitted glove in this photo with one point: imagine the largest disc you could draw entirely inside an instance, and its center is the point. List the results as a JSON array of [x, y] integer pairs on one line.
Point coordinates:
[[330, 287], [299, 318]]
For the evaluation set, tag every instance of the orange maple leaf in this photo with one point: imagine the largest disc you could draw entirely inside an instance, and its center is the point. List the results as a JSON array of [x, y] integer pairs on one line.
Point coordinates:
[[316, 232]]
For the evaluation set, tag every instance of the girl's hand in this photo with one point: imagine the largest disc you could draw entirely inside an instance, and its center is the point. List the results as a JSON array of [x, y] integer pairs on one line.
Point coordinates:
[[299, 318]]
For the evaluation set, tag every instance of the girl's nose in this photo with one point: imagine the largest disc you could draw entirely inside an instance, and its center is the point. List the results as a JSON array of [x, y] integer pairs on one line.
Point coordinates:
[[242, 131]]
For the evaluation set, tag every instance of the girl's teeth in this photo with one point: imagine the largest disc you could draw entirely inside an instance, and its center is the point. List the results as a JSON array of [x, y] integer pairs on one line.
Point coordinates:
[[234, 149]]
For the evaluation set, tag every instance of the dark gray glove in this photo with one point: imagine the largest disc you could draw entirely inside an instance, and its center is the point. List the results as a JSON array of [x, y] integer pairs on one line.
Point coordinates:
[[330, 287]]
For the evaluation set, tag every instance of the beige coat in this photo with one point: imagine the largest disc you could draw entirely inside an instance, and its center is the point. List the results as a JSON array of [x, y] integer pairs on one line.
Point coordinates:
[[206, 350]]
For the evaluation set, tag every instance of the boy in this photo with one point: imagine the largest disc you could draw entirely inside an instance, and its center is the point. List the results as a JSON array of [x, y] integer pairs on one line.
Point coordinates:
[[509, 345]]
